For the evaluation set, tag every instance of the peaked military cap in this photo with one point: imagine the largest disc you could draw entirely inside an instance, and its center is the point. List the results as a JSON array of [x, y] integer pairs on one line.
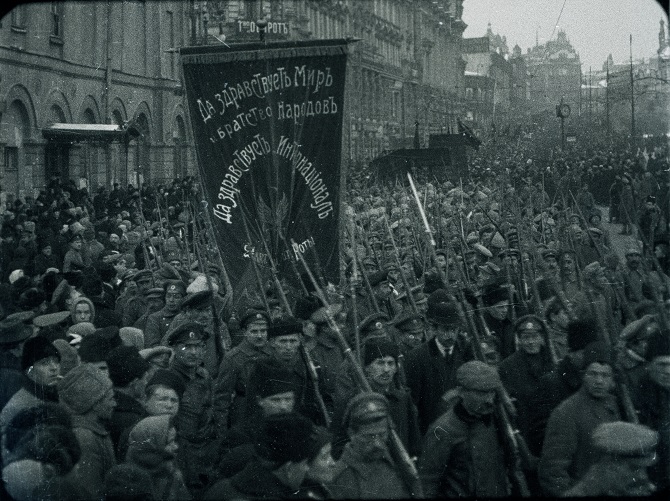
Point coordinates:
[[365, 408], [482, 250], [476, 375], [14, 329], [175, 286], [372, 323], [187, 331], [142, 275], [409, 321], [529, 323], [547, 253], [168, 272], [253, 315], [156, 292], [508, 252], [51, 319], [284, 327], [624, 439]]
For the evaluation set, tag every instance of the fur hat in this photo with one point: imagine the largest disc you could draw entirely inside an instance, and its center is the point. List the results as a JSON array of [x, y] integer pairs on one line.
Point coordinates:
[[581, 333], [658, 345], [83, 387], [36, 349], [284, 326], [268, 379], [598, 352], [378, 347], [94, 348], [169, 379], [125, 365], [132, 336], [287, 437], [201, 284], [46, 414]]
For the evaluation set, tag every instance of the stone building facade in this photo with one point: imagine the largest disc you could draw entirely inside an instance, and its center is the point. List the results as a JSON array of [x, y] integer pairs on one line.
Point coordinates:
[[91, 63], [555, 73], [117, 63]]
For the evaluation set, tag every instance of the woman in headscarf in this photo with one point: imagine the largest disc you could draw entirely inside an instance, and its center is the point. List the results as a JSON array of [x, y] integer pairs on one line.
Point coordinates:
[[82, 310], [152, 446]]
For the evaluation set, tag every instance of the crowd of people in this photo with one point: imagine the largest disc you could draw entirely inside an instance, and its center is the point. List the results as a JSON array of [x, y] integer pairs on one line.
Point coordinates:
[[489, 339]]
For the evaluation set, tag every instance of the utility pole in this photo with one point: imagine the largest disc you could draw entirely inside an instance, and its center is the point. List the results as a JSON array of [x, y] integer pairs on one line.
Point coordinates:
[[607, 98], [590, 102], [632, 97]]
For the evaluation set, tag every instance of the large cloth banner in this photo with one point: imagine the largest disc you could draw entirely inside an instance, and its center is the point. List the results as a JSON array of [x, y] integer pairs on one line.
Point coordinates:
[[267, 125]]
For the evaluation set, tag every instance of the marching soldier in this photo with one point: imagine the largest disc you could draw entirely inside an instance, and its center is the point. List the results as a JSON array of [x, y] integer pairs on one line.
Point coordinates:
[[158, 323], [411, 328], [196, 427], [431, 367], [626, 452], [366, 469], [135, 307], [236, 366], [284, 339], [462, 451], [568, 452]]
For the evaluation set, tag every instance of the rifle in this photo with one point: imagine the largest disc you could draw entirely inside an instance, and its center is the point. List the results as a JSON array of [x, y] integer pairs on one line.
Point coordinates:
[[216, 321], [516, 444], [444, 275], [307, 359], [628, 311], [352, 290], [405, 284], [540, 312], [408, 469], [622, 391]]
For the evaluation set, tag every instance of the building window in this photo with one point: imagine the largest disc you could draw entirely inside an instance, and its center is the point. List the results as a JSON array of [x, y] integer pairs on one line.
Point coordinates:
[[11, 159], [18, 17], [56, 19], [250, 10]]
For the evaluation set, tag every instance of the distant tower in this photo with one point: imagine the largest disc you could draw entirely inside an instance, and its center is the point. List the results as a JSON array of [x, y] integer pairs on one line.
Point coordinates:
[[661, 35]]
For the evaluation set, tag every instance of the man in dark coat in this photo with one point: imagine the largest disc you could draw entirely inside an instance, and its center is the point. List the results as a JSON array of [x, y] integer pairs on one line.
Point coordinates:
[[14, 331], [367, 469], [284, 338], [272, 388], [128, 372], [380, 365], [522, 371], [196, 427], [568, 451], [231, 383], [159, 322], [287, 442], [463, 455], [652, 400], [431, 368], [626, 451], [87, 393], [40, 365], [560, 383], [496, 298]]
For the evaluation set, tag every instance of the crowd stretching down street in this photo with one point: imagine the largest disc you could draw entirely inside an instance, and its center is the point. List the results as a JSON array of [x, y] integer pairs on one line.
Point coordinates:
[[526, 352]]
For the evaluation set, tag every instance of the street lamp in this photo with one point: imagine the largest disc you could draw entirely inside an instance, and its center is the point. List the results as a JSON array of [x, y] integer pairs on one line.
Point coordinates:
[[562, 112]]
